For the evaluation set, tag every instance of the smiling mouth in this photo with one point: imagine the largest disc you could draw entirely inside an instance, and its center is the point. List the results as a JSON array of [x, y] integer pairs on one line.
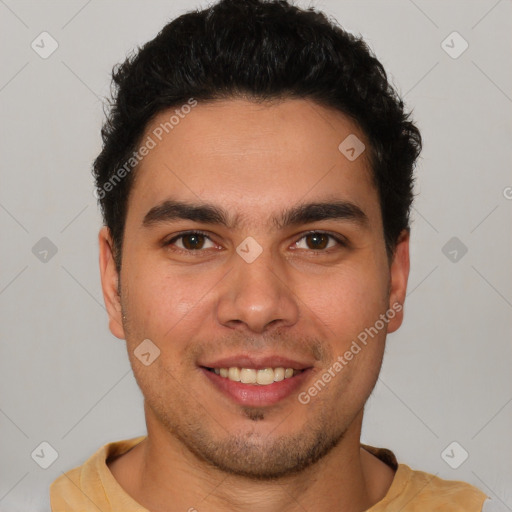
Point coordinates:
[[257, 377]]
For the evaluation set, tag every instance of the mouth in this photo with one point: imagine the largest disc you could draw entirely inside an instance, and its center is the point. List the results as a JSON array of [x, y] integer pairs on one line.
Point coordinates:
[[256, 387], [258, 377]]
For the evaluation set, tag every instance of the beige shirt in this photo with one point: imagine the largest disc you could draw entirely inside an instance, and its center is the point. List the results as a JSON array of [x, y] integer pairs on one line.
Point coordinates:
[[92, 487]]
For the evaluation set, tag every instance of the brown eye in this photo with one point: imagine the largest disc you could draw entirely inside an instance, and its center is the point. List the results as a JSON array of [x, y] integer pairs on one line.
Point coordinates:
[[192, 241], [317, 240]]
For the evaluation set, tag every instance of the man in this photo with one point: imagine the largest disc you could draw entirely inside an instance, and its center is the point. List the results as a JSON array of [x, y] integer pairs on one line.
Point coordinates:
[[256, 182]]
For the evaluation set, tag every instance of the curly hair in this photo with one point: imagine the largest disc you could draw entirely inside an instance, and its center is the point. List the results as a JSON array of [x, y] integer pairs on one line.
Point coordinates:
[[261, 50]]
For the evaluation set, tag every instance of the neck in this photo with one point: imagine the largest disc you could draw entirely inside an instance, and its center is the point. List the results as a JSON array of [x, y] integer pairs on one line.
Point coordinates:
[[165, 471]]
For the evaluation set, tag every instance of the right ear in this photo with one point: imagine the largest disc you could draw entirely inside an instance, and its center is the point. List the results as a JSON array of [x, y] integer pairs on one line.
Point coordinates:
[[110, 283]]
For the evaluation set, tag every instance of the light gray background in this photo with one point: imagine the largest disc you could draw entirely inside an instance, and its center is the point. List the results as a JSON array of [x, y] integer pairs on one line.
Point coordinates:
[[446, 375]]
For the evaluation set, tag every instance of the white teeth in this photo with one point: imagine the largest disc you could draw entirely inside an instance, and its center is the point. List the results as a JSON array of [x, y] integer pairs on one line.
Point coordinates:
[[248, 376], [234, 374], [278, 374], [262, 377], [265, 376]]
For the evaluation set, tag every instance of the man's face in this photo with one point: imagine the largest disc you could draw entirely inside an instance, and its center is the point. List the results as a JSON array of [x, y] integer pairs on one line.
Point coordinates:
[[256, 293]]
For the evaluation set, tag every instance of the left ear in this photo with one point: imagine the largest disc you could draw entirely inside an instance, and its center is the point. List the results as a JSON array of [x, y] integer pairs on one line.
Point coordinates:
[[399, 274]]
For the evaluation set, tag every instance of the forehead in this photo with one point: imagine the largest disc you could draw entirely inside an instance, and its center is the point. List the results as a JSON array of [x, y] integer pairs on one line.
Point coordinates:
[[252, 157]]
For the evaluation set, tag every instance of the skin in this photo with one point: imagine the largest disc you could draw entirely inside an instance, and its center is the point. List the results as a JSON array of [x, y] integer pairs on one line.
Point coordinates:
[[203, 450]]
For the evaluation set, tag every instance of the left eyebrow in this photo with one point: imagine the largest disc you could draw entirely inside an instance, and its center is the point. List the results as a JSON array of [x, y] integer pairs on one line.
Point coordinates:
[[172, 210]]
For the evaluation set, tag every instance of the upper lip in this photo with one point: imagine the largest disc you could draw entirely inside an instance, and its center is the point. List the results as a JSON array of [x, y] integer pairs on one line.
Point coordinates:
[[257, 362]]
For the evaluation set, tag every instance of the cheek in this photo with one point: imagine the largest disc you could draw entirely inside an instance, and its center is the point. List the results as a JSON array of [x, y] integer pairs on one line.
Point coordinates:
[[360, 366], [160, 304], [349, 300]]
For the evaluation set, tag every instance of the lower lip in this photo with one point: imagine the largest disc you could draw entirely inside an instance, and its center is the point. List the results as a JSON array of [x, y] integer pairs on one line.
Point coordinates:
[[253, 395]]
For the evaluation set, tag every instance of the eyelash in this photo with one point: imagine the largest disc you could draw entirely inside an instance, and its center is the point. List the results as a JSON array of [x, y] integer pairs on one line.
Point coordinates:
[[340, 240]]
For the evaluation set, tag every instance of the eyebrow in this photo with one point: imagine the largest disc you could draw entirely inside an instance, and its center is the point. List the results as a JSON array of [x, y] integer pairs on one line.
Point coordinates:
[[172, 210]]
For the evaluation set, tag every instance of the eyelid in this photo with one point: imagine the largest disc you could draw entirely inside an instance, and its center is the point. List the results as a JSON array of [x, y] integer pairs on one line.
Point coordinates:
[[340, 239]]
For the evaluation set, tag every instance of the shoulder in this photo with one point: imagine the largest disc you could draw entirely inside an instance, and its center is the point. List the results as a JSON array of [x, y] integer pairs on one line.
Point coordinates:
[[416, 491], [65, 491], [425, 491], [78, 486], [68, 480]]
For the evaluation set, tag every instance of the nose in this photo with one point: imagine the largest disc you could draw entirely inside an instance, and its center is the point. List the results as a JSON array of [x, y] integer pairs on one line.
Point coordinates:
[[257, 296]]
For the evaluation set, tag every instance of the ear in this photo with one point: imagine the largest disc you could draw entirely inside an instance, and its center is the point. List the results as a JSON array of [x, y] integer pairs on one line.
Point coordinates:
[[109, 283], [399, 274]]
